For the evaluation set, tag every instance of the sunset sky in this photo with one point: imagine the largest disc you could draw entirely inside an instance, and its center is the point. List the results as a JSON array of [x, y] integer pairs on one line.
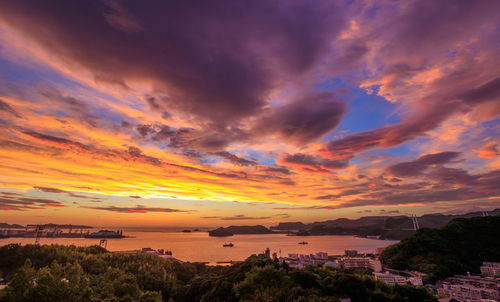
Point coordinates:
[[207, 113]]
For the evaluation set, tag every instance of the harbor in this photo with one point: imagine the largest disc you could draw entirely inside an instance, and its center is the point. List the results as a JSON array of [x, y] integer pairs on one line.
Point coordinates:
[[51, 230]]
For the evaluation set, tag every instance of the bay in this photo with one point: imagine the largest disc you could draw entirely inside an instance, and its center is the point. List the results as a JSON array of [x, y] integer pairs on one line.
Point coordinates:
[[199, 247]]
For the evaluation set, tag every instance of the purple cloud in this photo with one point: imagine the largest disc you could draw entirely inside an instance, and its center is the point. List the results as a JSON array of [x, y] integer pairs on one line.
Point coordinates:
[[137, 209], [416, 167]]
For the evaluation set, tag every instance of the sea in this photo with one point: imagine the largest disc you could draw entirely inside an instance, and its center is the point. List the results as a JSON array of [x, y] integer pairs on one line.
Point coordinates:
[[199, 247]]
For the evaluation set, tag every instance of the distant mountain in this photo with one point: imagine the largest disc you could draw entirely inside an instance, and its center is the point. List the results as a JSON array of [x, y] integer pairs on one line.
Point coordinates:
[[286, 226], [459, 247], [386, 227], [4, 225], [245, 229]]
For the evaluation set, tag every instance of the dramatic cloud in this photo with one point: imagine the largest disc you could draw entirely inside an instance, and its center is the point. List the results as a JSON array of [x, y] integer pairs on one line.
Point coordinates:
[[190, 139], [235, 217], [235, 159], [19, 203], [277, 170], [311, 163], [223, 66], [54, 190], [428, 65], [419, 165], [321, 105], [131, 154], [136, 209], [305, 119], [489, 150], [429, 118], [7, 108]]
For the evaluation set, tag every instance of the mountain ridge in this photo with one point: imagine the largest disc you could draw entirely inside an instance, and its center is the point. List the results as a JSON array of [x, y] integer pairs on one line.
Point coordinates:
[[383, 227]]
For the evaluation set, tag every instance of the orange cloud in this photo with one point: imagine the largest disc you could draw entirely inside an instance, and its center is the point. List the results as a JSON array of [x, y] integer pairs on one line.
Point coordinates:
[[488, 151]]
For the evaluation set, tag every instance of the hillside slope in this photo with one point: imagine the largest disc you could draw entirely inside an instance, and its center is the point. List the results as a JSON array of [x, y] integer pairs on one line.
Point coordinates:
[[458, 247]]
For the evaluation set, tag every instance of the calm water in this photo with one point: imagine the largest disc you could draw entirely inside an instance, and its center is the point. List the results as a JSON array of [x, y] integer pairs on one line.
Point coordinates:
[[198, 246]]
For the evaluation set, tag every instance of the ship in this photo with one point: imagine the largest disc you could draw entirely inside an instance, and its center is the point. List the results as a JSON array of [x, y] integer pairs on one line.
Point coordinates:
[[106, 234], [228, 244]]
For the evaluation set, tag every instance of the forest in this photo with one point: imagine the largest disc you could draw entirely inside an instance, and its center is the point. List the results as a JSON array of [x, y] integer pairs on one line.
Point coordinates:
[[457, 248], [68, 273]]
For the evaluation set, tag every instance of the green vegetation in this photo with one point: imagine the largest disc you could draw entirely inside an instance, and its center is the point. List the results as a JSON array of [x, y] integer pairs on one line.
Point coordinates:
[[459, 247], [60, 273]]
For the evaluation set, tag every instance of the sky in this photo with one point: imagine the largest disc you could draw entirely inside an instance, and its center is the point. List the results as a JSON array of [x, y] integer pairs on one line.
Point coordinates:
[[199, 113]]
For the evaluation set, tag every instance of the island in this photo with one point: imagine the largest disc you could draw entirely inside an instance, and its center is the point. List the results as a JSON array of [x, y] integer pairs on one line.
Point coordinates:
[[244, 229]]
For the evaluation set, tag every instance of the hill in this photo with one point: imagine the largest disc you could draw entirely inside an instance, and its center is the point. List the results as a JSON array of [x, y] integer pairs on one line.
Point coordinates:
[[61, 273], [459, 247], [244, 229], [386, 227]]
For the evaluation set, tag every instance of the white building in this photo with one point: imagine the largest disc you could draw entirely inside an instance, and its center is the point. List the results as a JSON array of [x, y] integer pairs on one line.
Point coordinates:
[[390, 278], [490, 269], [472, 288], [477, 281], [470, 293], [301, 260], [416, 281], [361, 262]]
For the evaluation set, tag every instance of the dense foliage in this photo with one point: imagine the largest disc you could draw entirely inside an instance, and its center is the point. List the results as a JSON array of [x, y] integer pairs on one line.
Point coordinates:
[[60, 273], [459, 247]]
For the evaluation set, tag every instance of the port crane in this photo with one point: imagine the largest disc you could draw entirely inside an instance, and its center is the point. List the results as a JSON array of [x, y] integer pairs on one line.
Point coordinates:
[[38, 234], [103, 243]]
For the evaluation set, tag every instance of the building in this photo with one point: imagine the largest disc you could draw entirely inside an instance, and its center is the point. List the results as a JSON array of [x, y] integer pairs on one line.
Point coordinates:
[[301, 260], [416, 281], [375, 265], [351, 253], [397, 279], [470, 293], [476, 281], [322, 255], [332, 264], [471, 288], [390, 278], [267, 253], [355, 262], [490, 269], [361, 262]]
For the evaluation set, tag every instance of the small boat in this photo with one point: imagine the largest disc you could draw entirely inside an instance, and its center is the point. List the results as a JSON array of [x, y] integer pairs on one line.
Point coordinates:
[[228, 244], [303, 242]]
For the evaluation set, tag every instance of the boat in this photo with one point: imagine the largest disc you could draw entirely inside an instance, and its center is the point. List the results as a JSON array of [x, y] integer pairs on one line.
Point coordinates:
[[303, 242], [228, 244]]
